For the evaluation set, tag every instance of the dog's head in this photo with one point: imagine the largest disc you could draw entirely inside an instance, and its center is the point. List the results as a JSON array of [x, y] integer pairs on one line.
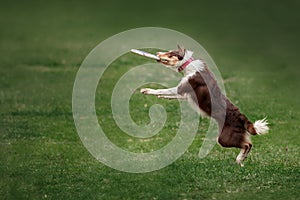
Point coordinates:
[[171, 58], [174, 58]]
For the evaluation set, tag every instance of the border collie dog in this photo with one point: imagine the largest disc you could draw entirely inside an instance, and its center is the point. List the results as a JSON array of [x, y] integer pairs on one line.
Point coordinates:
[[201, 90]]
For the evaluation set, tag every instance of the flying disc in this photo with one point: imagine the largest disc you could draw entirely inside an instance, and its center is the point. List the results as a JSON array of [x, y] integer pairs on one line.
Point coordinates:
[[145, 54]]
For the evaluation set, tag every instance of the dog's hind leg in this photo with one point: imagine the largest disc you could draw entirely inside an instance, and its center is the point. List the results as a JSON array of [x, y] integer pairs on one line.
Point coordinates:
[[245, 149], [238, 139]]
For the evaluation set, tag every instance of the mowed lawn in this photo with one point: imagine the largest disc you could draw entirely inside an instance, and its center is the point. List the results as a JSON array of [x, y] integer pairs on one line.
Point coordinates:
[[42, 45]]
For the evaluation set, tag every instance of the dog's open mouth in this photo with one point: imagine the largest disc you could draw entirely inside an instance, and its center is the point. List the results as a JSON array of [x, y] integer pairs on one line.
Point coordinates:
[[162, 60]]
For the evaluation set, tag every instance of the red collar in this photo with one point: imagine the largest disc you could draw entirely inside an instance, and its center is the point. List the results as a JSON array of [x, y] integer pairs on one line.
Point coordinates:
[[184, 65]]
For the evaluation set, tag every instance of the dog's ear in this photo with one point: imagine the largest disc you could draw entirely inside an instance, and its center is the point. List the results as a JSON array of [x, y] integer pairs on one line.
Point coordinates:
[[181, 51]]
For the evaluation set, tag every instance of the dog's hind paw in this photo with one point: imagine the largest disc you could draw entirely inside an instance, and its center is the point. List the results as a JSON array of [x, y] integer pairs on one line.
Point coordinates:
[[240, 163]]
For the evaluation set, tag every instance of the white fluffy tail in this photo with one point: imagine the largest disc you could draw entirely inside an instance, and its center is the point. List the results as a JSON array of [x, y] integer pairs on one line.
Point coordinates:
[[261, 126]]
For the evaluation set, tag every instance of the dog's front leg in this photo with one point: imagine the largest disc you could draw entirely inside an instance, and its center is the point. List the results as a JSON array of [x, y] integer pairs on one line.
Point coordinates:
[[169, 91], [179, 97]]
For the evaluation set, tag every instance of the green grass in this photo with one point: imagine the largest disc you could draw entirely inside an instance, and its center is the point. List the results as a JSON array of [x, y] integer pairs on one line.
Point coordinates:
[[255, 45]]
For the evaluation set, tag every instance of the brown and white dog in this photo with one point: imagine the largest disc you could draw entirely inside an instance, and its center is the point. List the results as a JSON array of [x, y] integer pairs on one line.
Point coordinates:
[[201, 90]]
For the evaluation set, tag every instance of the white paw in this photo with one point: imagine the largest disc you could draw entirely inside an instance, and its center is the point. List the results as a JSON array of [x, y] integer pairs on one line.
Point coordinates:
[[146, 90], [240, 162]]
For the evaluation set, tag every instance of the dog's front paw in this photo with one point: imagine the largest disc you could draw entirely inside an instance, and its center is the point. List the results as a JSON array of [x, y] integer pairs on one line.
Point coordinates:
[[146, 90]]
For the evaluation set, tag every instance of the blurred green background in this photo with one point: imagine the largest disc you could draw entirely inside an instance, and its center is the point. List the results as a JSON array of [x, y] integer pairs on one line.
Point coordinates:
[[255, 45]]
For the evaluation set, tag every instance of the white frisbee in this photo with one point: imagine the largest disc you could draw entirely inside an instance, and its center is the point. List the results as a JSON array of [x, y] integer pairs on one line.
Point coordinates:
[[145, 54]]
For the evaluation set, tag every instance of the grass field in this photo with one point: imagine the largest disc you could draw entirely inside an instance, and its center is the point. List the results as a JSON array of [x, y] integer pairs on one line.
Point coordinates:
[[254, 44]]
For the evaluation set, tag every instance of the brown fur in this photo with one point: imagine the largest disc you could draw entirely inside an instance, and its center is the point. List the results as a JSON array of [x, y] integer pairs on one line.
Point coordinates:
[[234, 132]]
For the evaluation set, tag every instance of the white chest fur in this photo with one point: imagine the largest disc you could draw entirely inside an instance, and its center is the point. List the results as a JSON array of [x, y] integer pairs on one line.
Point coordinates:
[[191, 96]]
